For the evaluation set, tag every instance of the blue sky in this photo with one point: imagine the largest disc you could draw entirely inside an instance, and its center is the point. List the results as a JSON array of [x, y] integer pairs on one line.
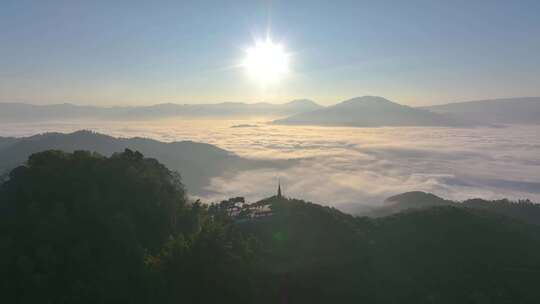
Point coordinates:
[[147, 52]]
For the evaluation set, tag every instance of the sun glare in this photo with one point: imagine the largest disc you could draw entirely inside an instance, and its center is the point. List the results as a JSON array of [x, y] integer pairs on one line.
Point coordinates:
[[266, 61]]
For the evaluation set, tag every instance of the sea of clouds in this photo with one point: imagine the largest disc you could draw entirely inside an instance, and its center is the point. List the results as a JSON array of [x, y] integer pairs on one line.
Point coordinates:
[[351, 168]]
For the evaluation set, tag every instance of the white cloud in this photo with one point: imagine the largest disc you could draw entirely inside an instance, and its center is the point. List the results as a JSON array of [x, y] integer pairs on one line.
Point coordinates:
[[354, 167]]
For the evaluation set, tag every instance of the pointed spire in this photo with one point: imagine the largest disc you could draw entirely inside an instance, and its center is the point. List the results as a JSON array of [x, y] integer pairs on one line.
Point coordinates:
[[279, 188]]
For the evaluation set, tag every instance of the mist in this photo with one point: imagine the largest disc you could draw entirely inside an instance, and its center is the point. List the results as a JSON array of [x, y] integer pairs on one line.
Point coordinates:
[[352, 169]]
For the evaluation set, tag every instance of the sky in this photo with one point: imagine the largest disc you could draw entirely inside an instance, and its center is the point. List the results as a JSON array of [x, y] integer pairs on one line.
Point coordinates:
[[147, 52]]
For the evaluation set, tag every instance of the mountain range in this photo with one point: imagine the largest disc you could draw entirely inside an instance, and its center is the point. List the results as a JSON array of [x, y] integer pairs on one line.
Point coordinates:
[[371, 111], [22, 112], [366, 111]]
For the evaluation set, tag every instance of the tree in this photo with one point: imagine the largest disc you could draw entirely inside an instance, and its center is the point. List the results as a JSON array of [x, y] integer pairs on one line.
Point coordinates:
[[79, 225]]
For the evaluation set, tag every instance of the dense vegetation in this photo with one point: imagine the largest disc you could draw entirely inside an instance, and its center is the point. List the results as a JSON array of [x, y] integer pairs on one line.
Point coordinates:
[[83, 228], [437, 255]]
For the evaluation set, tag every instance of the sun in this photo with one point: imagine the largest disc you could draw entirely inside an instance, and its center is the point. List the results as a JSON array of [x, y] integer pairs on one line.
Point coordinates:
[[266, 62]]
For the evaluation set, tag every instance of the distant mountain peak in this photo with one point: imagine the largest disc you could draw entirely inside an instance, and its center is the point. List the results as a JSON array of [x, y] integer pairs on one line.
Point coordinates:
[[302, 102], [369, 111], [412, 196], [367, 98], [367, 101]]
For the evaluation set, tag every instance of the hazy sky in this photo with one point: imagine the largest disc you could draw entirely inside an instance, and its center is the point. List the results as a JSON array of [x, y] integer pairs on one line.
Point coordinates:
[[146, 52]]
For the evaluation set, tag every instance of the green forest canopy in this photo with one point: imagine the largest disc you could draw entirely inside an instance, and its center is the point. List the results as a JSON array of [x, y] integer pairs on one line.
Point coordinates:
[[83, 228]]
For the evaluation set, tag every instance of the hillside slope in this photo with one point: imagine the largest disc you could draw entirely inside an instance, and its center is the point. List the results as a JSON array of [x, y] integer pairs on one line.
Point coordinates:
[[443, 255], [198, 162]]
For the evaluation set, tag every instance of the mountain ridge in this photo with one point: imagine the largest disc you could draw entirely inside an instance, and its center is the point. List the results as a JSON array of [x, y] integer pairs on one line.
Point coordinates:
[[522, 210], [364, 111], [199, 161], [370, 111], [520, 110], [21, 112]]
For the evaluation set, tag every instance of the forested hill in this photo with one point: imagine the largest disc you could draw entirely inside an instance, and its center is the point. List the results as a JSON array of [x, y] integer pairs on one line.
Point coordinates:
[[435, 255], [523, 210], [198, 162], [83, 228]]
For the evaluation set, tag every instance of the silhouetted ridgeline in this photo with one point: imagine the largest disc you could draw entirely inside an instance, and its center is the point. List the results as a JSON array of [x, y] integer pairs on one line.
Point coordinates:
[[83, 228], [496, 111], [366, 111], [523, 210], [371, 111], [21, 112], [197, 161]]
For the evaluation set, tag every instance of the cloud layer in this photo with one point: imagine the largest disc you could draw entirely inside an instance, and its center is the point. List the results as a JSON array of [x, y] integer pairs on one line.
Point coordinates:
[[353, 168]]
